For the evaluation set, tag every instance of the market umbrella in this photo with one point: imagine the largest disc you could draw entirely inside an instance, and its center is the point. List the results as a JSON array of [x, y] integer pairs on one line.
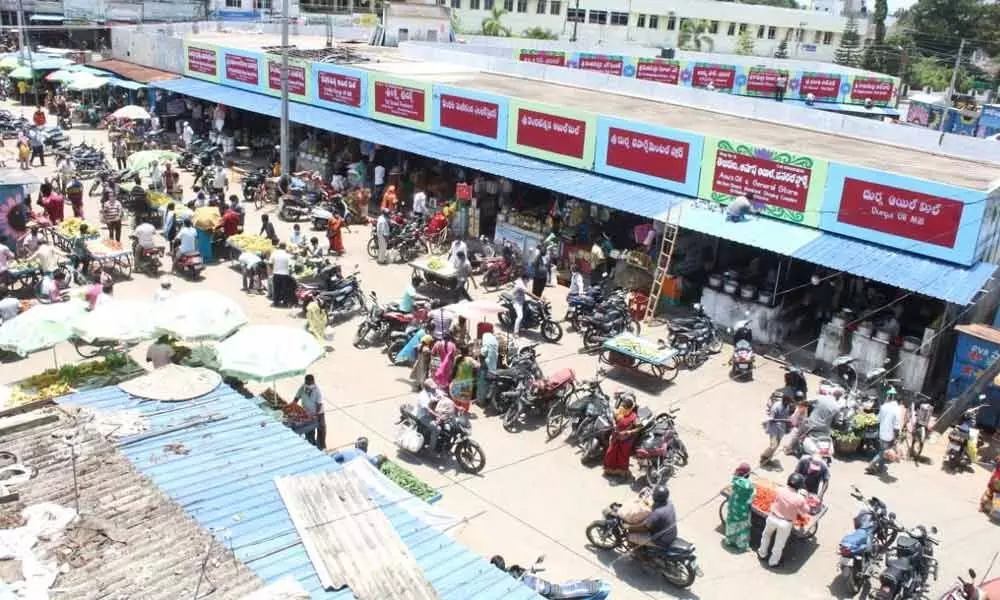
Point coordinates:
[[60, 76], [86, 81], [40, 327], [268, 352], [131, 112], [11, 61], [22, 72], [140, 161], [116, 320], [199, 315], [476, 310]]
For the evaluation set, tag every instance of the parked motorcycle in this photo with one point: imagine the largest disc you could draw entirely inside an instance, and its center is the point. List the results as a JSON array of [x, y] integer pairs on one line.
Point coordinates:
[[692, 347], [699, 322], [912, 563], [659, 450], [537, 395], [581, 305], [574, 589], [595, 441], [499, 271], [454, 437], [345, 298], [875, 530], [958, 454], [537, 315], [741, 363], [252, 181], [678, 564], [965, 590], [611, 318], [504, 383]]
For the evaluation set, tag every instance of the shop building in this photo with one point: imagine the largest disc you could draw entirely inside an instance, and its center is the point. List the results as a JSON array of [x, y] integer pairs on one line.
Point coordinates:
[[871, 248]]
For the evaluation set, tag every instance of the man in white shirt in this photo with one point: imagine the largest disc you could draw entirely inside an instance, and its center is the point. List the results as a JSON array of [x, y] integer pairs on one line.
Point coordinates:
[[378, 184], [282, 283], [219, 181], [47, 257], [419, 204], [311, 398], [155, 176], [382, 235], [187, 134], [145, 236], [249, 266], [457, 247], [187, 239], [575, 281], [66, 171], [889, 424], [518, 296]]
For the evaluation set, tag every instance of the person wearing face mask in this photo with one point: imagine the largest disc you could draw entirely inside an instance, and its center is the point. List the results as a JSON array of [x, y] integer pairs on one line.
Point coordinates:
[[311, 399]]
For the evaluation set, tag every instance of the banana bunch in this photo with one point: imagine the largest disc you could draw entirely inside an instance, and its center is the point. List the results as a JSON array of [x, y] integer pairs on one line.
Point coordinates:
[[257, 244], [20, 396], [435, 264], [639, 349], [17, 266], [158, 199], [43, 379], [71, 227]]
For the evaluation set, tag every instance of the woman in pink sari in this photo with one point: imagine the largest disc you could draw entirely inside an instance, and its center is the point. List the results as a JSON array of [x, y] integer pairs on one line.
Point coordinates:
[[443, 355]]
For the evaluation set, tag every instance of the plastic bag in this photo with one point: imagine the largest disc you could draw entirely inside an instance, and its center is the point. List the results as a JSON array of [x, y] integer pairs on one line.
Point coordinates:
[[409, 439]]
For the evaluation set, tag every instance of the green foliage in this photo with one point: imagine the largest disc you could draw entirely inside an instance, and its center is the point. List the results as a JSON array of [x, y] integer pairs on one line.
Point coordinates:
[[878, 17], [849, 53], [493, 24], [744, 45], [537, 33], [456, 23], [694, 35], [782, 51]]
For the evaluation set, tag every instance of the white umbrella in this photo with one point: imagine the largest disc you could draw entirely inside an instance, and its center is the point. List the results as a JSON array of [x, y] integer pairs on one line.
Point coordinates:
[[130, 112], [199, 315], [86, 81], [118, 320], [476, 310], [268, 352], [40, 327]]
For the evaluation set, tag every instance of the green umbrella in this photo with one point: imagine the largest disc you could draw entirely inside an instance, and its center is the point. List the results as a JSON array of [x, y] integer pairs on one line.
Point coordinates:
[[86, 81], [140, 161], [268, 352], [11, 61], [40, 327], [22, 72]]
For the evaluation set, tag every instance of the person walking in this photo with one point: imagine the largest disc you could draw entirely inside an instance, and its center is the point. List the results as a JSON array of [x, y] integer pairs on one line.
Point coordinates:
[[37, 147], [120, 151], [23, 154], [310, 398], [788, 505], [111, 216], [382, 231], [282, 284], [889, 424], [776, 425], [738, 509], [540, 272], [518, 296]]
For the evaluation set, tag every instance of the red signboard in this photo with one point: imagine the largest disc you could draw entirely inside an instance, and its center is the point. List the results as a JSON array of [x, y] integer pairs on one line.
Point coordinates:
[[242, 68], [552, 133], [896, 211], [820, 85], [648, 154], [770, 182], [601, 63], [399, 101], [765, 81], [296, 78], [659, 70], [720, 76], [468, 115], [202, 60], [878, 90], [341, 89], [543, 57]]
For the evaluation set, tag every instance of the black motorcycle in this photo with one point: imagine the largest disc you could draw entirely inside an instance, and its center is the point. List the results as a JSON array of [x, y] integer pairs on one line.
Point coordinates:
[[692, 347], [610, 319], [912, 563], [677, 564], [581, 305], [537, 315], [700, 322], [454, 436], [344, 299], [252, 181], [875, 530], [504, 384]]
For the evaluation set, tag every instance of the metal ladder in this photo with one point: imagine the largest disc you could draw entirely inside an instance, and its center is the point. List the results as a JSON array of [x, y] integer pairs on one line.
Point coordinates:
[[662, 269]]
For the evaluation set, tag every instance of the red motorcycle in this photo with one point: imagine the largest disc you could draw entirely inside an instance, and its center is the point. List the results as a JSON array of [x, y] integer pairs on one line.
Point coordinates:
[[659, 449], [536, 395], [382, 321], [499, 272]]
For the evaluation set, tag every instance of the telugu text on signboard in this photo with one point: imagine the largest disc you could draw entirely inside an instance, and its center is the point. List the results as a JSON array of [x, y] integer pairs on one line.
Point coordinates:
[[296, 78], [721, 77], [770, 182], [900, 212], [823, 86], [601, 63], [765, 81], [659, 70], [399, 101], [874, 88], [202, 60], [469, 115], [552, 133], [543, 57], [242, 69], [648, 154], [338, 88]]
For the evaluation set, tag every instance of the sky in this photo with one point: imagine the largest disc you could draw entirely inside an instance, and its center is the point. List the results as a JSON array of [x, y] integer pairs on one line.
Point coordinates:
[[895, 5]]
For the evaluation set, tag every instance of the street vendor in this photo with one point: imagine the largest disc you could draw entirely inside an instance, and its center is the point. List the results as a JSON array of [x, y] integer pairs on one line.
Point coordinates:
[[30, 242], [815, 473], [267, 229], [74, 192], [788, 505], [311, 399], [81, 254], [254, 271], [161, 353], [53, 206], [46, 256]]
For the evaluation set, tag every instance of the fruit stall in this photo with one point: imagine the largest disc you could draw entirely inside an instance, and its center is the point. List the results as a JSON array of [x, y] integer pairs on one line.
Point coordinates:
[[434, 272], [291, 415], [111, 256], [23, 274], [68, 230], [112, 369], [246, 242], [629, 351], [765, 491]]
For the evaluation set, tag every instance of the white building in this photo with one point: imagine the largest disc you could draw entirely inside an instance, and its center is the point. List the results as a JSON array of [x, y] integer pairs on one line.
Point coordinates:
[[811, 34], [51, 13]]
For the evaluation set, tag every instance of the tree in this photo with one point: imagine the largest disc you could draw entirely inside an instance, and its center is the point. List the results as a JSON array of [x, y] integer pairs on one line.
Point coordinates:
[[881, 12], [537, 33], [848, 53], [493, 24], [744, 44], [938, 26], [694, 35], [456, 23], [782, 51]]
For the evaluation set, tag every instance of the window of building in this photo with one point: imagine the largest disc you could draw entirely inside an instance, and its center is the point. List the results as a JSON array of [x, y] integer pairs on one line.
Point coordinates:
[[540, 7], [269, 5], [743, 28], [456, 4], [640, 21], [798, 34], [403, 34], [732, 29], [575, 15], [555, 7], [619, 18], [234, 3], [817, 37], [671, 23], [488, 4], [713, 27], [654, 21], [508, 5], [522, 6], [598, 17], [772, 32], [827, 37], [473, 4], [760, 31]]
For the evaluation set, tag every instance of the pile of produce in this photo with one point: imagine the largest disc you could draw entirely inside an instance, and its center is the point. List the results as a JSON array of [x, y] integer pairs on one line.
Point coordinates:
[[639, 348], [408, 481], [764, 495], [435, 264], [71, 228], [111, 370], [294, 413], [304, 271], [101, 247], [158, 199], [864, 420], [257, 244], [23, 265]]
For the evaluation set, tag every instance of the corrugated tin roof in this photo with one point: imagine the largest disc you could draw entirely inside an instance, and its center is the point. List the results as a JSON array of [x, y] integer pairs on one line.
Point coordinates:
[[127, 70], [161, 549], [225, 481], [613, 193]]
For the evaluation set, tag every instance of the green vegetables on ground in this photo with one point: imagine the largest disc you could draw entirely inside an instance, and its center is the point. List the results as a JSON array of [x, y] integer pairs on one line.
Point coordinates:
[[406, 480]]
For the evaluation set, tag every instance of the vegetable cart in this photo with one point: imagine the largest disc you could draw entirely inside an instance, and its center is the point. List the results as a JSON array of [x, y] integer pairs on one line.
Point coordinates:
[[111, 256], [23, 275], [435, 272], [765, 489], [629, 351], [65, 242]]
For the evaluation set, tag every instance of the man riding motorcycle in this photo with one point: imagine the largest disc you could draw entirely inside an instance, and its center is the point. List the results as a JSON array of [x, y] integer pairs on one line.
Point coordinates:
[[816, 474], [410, 296], [659, 528], [822, 412], [433, 408]]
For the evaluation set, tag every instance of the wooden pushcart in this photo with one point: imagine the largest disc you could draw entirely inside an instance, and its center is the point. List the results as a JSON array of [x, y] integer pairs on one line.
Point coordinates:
[[799, 530], [629, 351]]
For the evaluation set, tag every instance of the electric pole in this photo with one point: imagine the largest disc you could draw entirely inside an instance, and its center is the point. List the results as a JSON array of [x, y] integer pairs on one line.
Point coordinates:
[[951, 88], [285, 141]]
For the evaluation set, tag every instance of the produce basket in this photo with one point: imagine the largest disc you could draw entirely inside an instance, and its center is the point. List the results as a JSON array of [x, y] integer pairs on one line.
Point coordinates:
[[245, 242]]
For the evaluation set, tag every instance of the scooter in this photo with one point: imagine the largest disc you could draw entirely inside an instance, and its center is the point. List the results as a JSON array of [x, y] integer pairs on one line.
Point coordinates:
[[574, 589], [147, 260], [741, 363], [860, 551], [189, 265], [965, 590], [963, 437]]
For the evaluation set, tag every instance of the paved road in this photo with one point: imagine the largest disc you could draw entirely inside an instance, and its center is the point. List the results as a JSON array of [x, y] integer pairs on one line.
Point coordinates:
[[535, 497]]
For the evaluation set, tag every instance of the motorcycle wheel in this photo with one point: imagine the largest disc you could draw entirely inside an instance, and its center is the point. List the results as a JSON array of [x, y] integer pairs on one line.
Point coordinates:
[[633, 327], [552, 331], [361, 336], [916, 447], [555, 420], [850, 582], [372, 248], [591, 451], [511, 418], [600, 536], [692, 360], [714, 344], [470, 456], [393, 349], [591, 339], [506, 320], [659, 472], [491, 281], [679, 574]]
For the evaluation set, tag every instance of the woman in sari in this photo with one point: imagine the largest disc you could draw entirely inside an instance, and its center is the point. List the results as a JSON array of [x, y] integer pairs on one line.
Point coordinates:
[[622, 439], [422, 361], [489, 349], [465, 377], [316, 321], [443, 361], [738, 509], [389, 199], [993, 487]]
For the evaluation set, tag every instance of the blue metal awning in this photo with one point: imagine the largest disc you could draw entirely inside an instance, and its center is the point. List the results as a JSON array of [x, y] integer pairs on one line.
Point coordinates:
[[615, 194], [123, 83]]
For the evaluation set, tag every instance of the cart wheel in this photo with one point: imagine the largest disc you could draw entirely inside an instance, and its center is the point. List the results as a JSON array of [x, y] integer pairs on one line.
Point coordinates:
[[604, 356], [669, 370], [723, 510], [657, 371], [85, 350]]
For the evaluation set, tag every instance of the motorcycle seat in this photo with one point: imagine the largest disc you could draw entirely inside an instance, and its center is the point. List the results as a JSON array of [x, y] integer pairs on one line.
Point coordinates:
[[679, 547], [899, 564], [557, 379]]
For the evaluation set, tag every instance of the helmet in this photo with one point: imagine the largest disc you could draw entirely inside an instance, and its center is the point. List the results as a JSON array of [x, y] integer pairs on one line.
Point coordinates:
[[660, 495], [796, 481], [165, 282]]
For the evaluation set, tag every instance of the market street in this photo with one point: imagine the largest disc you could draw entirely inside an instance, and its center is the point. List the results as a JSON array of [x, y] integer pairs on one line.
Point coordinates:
[[534, 497]]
